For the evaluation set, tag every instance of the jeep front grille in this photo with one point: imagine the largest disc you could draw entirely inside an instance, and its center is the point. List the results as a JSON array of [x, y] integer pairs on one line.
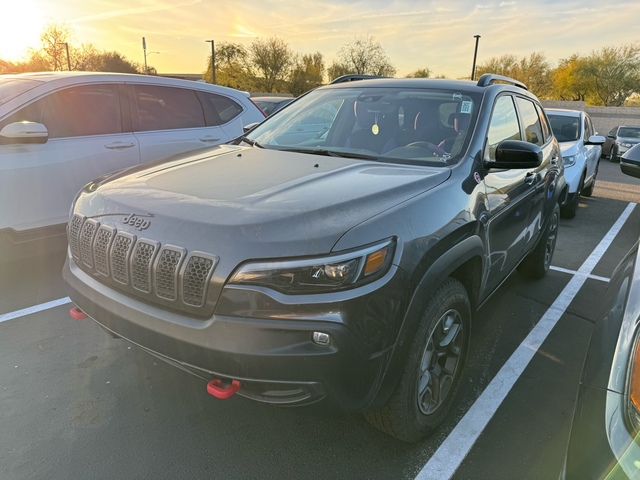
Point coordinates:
[[162, 274]]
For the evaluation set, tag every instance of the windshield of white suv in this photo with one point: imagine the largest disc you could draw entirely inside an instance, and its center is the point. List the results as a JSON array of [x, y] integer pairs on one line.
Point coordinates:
[[565, 128], [418, 126], [12, 87]]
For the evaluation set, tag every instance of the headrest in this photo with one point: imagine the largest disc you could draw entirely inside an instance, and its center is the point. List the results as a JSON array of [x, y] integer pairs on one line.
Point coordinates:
[[365, 117]]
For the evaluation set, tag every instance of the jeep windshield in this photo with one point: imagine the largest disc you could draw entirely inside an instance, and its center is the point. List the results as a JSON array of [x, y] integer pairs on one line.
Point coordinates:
[[399, 125]]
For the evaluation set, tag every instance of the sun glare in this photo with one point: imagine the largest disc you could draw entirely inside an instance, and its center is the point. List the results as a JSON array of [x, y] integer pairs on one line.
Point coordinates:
[[21, 28]]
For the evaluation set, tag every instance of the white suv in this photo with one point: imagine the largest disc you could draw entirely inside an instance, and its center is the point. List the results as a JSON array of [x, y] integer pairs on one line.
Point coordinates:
[[60, 130], [581, 149]]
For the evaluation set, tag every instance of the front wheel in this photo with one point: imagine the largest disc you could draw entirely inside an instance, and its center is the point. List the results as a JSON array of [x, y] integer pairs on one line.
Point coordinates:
[[537, 263], [432, 370]]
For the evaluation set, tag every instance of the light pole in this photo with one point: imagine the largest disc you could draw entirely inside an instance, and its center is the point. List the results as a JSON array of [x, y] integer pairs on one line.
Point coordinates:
[[144, 49], [213, 62], [66, 46], [475, 54]]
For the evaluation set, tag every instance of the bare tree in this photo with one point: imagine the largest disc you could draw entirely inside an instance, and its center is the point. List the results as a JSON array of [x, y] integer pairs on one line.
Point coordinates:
[[273, 59], [364, 56], [55, 40]]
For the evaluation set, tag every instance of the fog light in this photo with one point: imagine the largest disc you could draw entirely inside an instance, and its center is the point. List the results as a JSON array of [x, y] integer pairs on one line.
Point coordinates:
[[321, 338]]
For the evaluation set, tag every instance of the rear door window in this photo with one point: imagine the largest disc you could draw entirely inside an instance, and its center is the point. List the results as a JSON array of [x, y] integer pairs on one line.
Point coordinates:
[[166, 108]]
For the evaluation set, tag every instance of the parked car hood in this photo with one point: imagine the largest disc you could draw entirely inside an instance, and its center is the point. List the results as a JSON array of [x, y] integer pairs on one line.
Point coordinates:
[[570, 148], [263, 202]]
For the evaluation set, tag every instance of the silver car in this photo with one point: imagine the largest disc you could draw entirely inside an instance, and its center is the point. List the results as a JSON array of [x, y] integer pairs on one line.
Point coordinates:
[[619, 140]]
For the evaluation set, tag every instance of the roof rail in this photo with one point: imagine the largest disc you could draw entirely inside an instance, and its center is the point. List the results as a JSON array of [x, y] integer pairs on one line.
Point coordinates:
[[490, 78], [352, 77]]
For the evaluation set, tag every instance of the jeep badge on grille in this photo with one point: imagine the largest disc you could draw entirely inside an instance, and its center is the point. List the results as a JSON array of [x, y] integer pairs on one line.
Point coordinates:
[[137, 221]]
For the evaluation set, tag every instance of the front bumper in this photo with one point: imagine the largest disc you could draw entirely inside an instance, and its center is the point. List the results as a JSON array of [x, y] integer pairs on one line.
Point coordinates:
[[275, 358], [600, 445]]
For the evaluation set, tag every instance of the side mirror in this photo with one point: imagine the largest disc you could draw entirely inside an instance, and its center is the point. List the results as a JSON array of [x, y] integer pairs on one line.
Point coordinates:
[[630, 162], [250, 126], [23, 133], [595, 140], [516, 154]]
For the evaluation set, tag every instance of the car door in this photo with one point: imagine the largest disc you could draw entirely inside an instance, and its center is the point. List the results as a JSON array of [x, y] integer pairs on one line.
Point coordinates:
[[169, 120], [87, 138], [513, 195], [592, 152]]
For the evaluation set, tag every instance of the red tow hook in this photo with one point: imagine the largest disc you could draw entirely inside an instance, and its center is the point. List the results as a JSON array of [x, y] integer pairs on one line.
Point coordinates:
[[77, 314], [214, 388]]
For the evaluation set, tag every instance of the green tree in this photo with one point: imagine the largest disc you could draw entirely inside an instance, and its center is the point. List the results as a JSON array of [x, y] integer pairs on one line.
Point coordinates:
[[420, 73], [89, 59], [534, 71], [273, 59], [232, 67], [615, 72], [569, 82], [364, 56], [307, 73]]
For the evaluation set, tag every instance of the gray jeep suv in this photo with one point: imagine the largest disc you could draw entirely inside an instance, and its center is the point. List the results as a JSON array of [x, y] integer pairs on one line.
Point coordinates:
[[336, 254]]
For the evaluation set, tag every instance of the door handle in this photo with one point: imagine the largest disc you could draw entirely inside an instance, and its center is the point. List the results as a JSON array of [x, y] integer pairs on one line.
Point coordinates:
[[209, 139], [530, 178], [119, 145]]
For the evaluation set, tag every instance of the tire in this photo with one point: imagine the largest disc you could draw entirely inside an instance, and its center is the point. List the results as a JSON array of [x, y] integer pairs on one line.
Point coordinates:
[[569, 210], [587, 192], [537, 263], [433, 368], [613, 154]]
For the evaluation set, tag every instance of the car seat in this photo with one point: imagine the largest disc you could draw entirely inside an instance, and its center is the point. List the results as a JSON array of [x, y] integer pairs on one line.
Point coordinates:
[[376, 128]]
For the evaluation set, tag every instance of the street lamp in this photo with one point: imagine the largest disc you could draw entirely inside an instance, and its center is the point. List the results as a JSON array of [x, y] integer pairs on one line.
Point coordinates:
[[213, 62], [66, 45], [475, 54], [146, 54]]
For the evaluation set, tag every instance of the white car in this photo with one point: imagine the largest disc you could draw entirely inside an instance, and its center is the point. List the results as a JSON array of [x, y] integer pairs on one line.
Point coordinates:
[[60, 130], [581, 148]]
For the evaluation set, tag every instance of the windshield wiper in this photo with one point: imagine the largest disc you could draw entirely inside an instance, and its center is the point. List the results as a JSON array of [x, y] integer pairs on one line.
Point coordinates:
[[248, 141], [331, 153]]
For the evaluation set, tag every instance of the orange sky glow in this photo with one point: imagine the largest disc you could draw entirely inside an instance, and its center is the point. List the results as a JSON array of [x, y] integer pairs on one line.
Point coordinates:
[[415, 35]]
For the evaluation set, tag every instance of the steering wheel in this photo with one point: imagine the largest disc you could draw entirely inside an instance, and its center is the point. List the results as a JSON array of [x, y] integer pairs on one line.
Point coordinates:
[[434, 149]]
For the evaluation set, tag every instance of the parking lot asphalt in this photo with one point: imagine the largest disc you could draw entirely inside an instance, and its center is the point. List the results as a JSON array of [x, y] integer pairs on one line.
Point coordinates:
[[77, 403]]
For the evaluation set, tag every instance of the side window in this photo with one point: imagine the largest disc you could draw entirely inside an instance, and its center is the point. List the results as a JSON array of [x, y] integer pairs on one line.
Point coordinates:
[[588, 128], [219, 109], [530, 121], [75, 112], [546, 128], [167, 108], [503, 126]]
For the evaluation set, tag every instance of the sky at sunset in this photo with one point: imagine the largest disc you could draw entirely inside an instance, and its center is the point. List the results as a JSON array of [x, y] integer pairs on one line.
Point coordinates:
[[414, 34]]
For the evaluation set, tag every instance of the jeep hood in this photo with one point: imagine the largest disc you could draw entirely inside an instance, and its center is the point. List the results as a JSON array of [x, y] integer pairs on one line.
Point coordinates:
[[262, 203]]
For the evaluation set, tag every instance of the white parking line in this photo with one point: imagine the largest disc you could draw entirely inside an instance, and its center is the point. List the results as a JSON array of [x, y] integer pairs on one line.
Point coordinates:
[[573, 272], [446, 460], [36, 308]]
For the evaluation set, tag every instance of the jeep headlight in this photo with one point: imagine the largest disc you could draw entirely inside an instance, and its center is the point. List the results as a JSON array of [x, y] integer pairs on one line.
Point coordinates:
[[320, 274], [570, 160]]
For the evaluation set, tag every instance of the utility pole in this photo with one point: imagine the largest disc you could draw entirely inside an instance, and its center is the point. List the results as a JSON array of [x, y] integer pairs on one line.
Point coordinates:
[[475, 54], [144, 49], [213, 62]]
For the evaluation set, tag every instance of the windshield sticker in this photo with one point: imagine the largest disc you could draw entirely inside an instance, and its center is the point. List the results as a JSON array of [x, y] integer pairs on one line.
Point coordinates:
[[465, 107]]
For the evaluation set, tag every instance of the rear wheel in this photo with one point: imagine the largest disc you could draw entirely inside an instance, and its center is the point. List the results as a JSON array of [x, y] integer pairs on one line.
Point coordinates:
[[433, 368], [537, 263]]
